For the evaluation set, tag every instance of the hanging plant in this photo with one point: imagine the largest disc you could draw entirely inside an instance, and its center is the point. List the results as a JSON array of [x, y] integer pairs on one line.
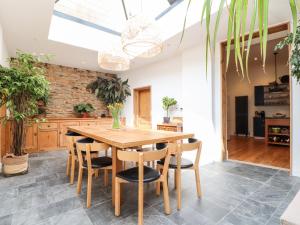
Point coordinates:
[[110, 90], [295, 57]]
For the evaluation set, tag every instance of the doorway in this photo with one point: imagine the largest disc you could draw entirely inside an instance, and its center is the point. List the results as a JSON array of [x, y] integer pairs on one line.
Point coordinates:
[[252, 132], [142, 107]]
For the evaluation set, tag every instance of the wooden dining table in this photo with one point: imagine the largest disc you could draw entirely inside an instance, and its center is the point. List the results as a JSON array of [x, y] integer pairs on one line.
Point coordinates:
[[124, 138]]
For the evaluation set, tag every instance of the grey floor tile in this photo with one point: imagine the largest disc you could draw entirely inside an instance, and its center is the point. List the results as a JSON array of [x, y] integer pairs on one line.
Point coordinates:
[[232, 194], [253, 174], [73, 217], [283, 181], [6, 220], [270, 195], [234, 219], [273, 221], [254, 210]]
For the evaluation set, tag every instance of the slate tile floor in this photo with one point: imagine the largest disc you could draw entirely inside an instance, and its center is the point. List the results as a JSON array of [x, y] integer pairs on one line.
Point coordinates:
[[233, 194]]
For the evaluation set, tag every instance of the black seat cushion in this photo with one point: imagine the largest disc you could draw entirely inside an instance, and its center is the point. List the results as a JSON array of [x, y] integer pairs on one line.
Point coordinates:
[[99, 162], [73, 134], [86, 141], [132, 175], [192, 140], [160, 146], [185, 163]]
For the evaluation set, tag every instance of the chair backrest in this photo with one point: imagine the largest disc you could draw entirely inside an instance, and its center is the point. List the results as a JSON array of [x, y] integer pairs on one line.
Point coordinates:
[[87, 145], [192, 145], [142, 157], [72, 137]]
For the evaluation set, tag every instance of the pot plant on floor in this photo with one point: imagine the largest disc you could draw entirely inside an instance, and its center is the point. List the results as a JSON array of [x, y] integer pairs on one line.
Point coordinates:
[[84, 109], [112, 91], [21, 87], [167, 104]]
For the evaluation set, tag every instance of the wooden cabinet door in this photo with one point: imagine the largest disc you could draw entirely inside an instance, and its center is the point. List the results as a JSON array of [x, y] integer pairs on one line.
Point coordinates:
[[47, 139], [88, 123], [63, 130], [30, 144]]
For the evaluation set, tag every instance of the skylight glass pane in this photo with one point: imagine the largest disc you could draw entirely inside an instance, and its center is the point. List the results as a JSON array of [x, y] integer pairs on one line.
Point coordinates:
[[110, 13]]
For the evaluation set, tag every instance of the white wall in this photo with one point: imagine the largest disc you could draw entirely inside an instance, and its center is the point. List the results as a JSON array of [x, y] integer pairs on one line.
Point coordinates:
[[3, 49], [165, 80], [182, 77]]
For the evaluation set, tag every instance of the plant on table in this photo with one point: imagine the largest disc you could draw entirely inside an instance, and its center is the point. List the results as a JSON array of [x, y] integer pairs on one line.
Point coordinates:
[[167, 104], [84, 109], [115, 110], [21, 87]]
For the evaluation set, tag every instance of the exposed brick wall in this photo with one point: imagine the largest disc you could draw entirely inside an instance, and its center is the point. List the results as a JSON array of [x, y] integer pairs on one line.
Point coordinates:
[[68, 88]]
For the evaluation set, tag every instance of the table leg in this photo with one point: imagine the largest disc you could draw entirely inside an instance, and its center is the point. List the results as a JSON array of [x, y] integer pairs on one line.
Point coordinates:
[[116, 167]]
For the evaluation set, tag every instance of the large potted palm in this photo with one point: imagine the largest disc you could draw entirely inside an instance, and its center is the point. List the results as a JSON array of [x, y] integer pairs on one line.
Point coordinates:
[[21, 87]]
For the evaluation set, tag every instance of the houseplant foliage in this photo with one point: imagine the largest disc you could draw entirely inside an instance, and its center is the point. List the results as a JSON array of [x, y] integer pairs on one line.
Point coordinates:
[[295, 56], [115, 109], [21, 87], [167, 104], [84, 109], [110, 90], [237, 27]]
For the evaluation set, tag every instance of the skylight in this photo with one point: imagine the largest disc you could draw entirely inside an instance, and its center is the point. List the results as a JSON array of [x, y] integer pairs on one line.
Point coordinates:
[[108, 15]]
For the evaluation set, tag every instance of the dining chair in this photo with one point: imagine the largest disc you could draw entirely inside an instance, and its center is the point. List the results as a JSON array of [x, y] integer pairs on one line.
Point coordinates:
[[72, 159], [92, 164], [142, 174], [177, 164]]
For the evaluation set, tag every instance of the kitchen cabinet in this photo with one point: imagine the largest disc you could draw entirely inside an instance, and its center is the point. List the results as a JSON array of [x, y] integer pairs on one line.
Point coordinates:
[[31, 137], [63, 128]]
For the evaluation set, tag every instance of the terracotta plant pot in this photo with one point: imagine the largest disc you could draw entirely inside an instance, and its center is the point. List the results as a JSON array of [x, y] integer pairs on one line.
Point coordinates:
[[15, 165], [85, 115]]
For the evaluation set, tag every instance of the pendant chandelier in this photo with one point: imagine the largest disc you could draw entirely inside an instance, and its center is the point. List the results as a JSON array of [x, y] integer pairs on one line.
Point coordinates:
[[141, 37], [113, 61]]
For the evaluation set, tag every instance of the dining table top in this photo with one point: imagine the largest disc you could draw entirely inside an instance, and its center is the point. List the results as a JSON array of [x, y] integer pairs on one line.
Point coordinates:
[[127, 137]]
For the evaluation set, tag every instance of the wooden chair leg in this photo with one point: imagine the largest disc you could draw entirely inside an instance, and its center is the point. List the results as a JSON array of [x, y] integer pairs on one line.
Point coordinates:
[[178, 188], [158, 168], [97, 173], [68, 165], [117, 198], [158, 188], [141, 204], [73, 165], [166, 197], [105, 177], [175, 179], [79, 183], [89, 190], [198, 184]]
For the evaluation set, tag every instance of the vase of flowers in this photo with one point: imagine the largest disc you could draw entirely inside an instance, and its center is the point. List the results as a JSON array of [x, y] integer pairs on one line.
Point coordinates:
[[115, 110]]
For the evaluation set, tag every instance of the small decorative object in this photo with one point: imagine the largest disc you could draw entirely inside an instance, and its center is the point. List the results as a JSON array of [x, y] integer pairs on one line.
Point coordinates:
[[84, 109], [167, 104], [115, 110], [21, 87], [276, 130]]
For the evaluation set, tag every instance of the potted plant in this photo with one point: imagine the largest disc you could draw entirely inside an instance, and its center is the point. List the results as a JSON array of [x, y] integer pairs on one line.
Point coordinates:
[[167, 104], [84, 109], [21, 86], [112, 92]]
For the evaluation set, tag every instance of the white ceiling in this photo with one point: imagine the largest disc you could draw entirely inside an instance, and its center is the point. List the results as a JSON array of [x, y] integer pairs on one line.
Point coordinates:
[[26, 26]]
